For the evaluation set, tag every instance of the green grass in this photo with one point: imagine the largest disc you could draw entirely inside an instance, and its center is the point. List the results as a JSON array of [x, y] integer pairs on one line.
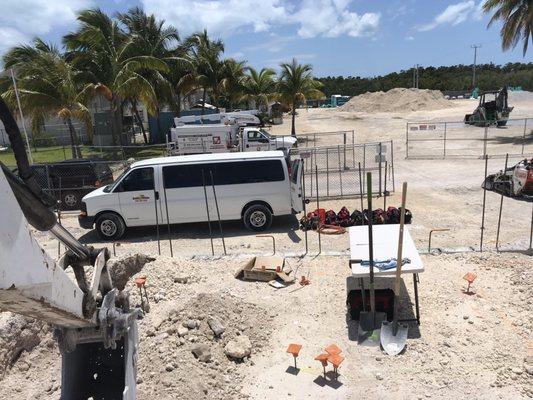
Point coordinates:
[[60, 153]]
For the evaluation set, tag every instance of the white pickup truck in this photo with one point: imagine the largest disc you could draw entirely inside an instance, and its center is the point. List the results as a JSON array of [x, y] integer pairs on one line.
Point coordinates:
[[221, 138]]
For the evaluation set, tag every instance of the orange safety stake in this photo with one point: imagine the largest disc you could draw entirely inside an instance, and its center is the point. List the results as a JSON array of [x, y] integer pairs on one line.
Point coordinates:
[[140, 282], [336, 360], [470, 277], [323, 358], [294, 349], [304, 281], [333, 349]]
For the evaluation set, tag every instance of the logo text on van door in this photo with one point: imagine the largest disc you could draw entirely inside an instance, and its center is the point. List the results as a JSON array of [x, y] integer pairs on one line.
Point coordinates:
[[141, 198]]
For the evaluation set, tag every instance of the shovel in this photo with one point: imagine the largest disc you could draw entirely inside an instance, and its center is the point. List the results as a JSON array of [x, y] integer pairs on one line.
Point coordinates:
[[370, 322], [394, 336]]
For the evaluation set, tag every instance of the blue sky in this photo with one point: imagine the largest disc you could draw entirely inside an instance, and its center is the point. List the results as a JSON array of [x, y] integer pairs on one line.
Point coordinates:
[[338, 37]]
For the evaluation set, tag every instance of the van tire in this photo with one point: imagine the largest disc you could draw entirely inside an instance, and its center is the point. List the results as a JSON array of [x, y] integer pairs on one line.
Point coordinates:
[[110, 226], [257, 218]]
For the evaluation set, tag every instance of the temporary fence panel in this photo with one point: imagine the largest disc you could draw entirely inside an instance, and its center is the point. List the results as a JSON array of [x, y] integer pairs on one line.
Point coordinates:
[[457, 139], [315, 139], [338, 169]]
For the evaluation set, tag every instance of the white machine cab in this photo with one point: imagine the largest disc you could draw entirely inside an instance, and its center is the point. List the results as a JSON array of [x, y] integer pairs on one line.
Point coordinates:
[[252, 186]]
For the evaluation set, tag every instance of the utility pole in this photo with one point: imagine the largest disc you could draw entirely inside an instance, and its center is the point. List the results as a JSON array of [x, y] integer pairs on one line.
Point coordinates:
[[475, 47], [415, 76]]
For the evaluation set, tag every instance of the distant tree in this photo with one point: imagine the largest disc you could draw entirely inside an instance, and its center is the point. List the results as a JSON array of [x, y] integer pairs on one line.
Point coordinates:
[[49, 85], [113, 63], [232, 81], [259, 86], [517, 19], [295, 85]]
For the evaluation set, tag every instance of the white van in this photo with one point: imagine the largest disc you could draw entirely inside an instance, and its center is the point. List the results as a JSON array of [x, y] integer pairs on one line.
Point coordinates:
[[249, 186]]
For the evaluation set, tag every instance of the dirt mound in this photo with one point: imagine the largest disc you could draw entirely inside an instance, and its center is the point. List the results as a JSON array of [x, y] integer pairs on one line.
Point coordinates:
[[397, 100], [188, 350]]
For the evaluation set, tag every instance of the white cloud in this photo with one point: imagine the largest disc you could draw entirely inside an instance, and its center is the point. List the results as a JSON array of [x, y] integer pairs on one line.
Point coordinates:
[[409, 38], [329, 18], [452, 15], [20, 20]]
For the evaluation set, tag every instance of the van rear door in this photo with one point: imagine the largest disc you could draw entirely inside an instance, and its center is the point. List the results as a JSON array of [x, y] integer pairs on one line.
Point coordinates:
[[296, 185]]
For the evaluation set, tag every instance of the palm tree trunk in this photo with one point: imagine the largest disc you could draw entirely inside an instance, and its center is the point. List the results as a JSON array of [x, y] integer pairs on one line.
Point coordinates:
[[293, 112], [178, 104], [116, 109], [139, 121], [76, 152], [203, 101]]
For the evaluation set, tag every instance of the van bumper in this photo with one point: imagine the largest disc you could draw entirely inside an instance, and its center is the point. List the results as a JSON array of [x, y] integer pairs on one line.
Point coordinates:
[[85, 221]]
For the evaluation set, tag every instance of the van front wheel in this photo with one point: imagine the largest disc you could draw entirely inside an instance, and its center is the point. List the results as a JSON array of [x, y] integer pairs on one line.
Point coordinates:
[[110, 226], [257, 217]]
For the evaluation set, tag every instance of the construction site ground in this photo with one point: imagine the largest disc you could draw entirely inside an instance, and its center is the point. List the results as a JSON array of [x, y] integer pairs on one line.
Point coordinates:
[[477, 346]]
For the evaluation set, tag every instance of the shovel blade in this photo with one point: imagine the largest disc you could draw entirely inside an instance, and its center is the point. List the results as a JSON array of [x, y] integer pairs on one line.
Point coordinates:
[[368, 331], [391, 343]]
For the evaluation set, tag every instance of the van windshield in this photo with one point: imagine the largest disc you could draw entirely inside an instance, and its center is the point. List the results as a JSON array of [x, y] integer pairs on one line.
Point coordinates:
[[110, 188]]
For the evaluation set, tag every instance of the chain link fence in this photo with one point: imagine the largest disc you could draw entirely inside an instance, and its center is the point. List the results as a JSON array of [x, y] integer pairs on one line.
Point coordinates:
[[427, 140], [334, 172]]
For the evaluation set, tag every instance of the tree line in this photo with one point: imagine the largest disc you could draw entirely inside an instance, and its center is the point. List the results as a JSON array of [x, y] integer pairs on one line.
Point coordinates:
[[132, 58], [456, 77]]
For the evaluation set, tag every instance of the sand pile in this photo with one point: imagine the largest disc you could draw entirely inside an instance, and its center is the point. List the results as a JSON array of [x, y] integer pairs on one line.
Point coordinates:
[[397, 100]]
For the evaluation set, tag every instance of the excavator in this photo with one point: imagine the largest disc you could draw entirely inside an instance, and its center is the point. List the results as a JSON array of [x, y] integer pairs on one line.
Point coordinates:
[[491, 112], [94, 325]]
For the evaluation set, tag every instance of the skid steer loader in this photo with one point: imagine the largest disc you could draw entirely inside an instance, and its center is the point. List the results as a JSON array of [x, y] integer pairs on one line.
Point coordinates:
[[491, 112], [516, 181]]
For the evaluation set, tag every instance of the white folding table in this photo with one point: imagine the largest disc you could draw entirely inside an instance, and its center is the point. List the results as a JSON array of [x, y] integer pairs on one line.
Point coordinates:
[[385, 246]]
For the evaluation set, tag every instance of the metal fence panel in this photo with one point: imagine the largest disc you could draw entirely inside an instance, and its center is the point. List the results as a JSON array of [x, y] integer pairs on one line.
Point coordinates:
[[457, 139], [338, 169]]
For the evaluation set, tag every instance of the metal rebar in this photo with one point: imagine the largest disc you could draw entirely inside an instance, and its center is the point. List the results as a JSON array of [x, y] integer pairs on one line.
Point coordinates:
[[304, 204], [318, 209], [168, 219], [273, 242], [218, 212], [431, 233], [483, 209], [407, 140], [208, 217], [501, 206], [157, 221]]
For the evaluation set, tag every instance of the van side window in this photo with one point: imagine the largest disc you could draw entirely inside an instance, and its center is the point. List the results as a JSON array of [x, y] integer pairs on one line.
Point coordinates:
[[224, 173], [138, 179]]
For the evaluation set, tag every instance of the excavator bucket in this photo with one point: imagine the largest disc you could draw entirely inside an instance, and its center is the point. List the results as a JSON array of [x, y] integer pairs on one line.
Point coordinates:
[[93, 371]]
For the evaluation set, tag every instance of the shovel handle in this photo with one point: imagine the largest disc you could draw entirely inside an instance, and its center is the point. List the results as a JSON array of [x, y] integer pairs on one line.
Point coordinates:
[[399, 258]]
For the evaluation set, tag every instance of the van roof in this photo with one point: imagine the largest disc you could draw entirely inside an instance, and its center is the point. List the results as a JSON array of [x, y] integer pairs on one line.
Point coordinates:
[[209, 157]]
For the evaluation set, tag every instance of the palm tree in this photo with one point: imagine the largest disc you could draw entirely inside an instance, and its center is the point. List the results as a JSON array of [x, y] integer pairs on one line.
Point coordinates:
[[204, 54], [517, 18], [232, 82], [152, 37], [49, 85], [259, 87], [296, 83], [114, 67]]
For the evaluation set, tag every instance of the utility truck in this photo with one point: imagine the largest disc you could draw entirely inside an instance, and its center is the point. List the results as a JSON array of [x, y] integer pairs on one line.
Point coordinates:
[[223, 138]]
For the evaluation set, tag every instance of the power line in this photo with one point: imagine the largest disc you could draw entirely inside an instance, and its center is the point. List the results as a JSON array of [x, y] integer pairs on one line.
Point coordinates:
[[475, 47]]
